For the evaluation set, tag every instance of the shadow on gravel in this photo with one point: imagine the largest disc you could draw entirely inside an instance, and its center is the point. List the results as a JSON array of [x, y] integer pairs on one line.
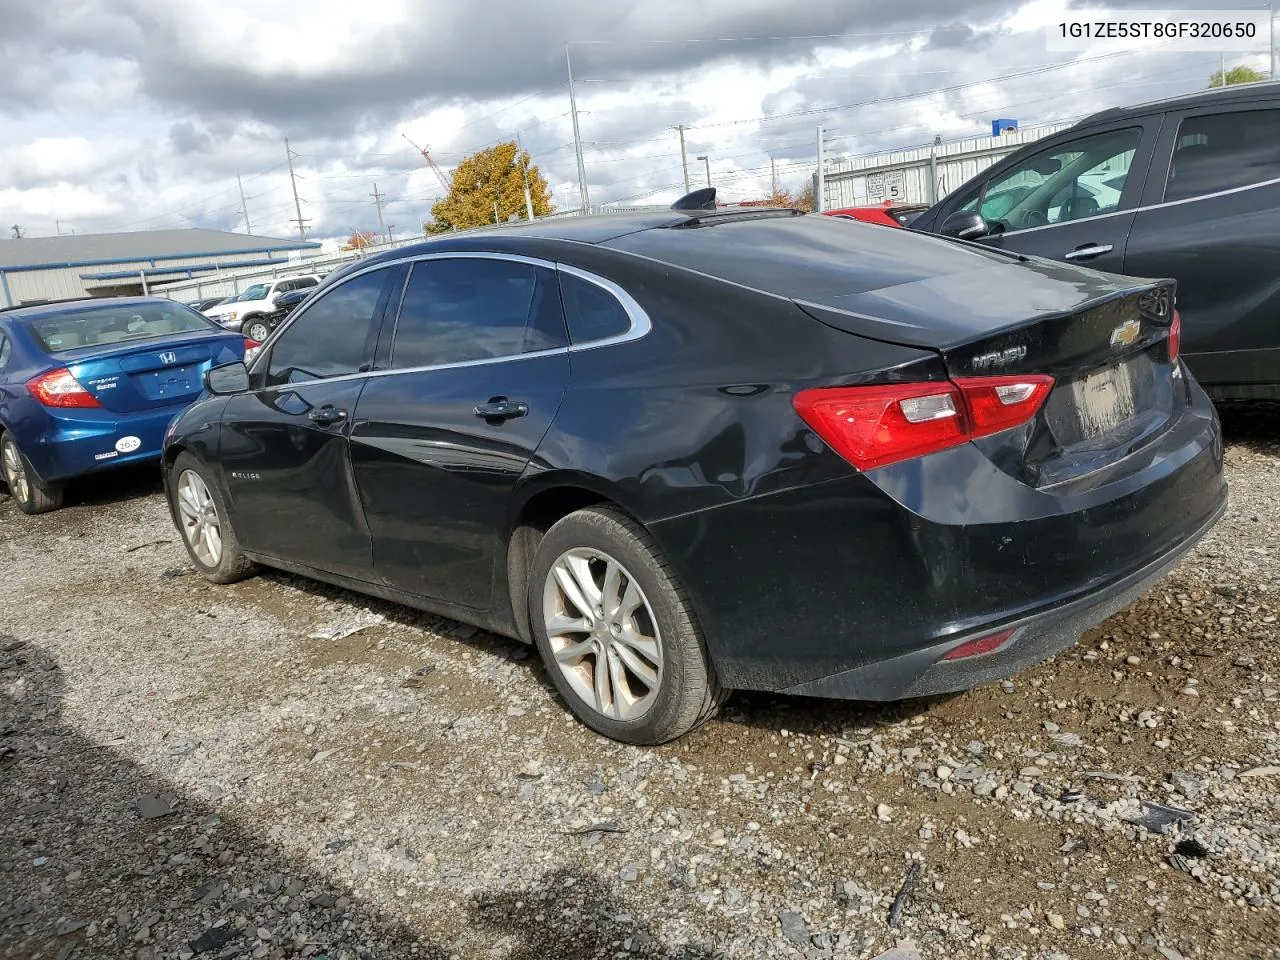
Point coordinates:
[[102, 859], [1256, 425], [111, 486]]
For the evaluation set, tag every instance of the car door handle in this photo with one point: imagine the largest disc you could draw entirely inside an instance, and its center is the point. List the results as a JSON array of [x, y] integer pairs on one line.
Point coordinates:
[[500, 408], [1089, 251], [327, 415]]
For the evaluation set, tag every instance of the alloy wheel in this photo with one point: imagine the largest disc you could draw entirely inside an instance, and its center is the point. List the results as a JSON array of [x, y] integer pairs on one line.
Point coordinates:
[[603, 634], [258, 331], [199, 515], [15, 472]]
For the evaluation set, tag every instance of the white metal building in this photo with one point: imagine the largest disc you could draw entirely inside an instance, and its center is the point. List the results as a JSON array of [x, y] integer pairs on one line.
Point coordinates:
[[922, 174], [37, 269]]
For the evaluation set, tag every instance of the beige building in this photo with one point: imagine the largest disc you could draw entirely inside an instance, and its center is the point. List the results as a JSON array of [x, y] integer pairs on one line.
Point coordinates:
[[39, 269]]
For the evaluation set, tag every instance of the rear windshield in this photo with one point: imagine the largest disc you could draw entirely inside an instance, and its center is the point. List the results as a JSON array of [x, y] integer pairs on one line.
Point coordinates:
[[107, 325]]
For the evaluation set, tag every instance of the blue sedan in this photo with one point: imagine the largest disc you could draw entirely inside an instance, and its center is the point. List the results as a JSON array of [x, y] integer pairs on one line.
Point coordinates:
[[90, 385]]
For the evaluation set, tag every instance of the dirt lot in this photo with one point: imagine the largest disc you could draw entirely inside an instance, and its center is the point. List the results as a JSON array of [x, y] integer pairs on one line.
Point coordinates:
[[186, 770]]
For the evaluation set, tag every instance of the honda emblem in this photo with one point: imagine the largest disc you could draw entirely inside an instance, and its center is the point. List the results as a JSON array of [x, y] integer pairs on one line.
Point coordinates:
[[168, 357]]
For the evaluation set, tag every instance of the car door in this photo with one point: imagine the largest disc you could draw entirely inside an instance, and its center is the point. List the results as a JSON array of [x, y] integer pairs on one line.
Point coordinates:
[[1070, 200], [472, 376], [1211, 220], [284, 446]]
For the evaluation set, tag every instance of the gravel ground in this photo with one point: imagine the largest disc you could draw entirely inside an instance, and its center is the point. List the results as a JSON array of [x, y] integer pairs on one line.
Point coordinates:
[[196, 770]]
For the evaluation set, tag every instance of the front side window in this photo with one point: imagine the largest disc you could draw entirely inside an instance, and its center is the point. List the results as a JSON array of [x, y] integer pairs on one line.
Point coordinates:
[[329, 339], [463, 309], [1224, 151], [1078, 179], [100, 326]]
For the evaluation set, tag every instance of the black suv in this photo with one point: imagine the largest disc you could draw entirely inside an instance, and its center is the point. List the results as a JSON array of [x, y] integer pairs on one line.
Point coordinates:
[[1187, 188]]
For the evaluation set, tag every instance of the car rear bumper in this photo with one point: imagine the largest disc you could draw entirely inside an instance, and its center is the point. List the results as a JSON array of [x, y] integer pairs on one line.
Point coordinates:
[[77, 442], [856, 587], [927, 672]]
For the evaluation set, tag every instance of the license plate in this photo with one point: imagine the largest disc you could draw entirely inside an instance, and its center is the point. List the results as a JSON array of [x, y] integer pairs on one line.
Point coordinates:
[[166, 384], [1104, 400]]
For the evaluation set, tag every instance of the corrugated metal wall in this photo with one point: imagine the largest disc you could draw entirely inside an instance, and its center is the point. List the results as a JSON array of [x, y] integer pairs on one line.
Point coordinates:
[[906, 175]]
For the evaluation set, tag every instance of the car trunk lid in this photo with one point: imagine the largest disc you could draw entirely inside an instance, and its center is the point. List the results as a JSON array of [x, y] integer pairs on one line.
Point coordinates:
[[147, 374], [1104, 340]]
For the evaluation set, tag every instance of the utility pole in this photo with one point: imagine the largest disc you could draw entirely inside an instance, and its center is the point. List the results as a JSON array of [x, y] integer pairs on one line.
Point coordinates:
[[684, 159], [773, 177], [297, 204], [377, 202], [244, 207], [57, 225], [819, 184], [577, 136], [707, 162], [1272, 9], [524, 172]]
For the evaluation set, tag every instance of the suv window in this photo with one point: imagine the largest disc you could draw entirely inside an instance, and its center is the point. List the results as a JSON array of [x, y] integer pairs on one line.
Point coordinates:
[[257, 292], [460, 309], [329, 338], [302, 282], [1080, 178], [593, 312], [1223, 151]]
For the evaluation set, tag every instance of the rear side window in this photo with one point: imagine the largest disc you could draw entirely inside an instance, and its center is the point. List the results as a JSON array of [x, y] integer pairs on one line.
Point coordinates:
[[1223, 151], [103, 326], [329, 338], [457, 310], [303, 282], [593, 313]]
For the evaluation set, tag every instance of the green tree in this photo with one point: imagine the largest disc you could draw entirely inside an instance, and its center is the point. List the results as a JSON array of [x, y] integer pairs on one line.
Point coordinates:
[[1236, 75], [488, 187]]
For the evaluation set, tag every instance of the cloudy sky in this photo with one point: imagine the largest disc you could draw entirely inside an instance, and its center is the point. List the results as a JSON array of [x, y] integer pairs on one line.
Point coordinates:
[[139, 114]]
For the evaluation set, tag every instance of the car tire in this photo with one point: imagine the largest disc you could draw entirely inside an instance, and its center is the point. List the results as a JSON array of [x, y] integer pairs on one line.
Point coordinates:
[[200, 513], [29, 492], [633, 667], [256, 329]]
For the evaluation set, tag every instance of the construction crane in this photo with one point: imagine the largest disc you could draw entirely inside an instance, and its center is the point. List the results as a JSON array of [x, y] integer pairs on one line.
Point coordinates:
[[426, 155]]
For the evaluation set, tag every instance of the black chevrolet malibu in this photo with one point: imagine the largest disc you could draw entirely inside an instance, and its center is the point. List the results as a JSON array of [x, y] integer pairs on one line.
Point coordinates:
[[695, 450]]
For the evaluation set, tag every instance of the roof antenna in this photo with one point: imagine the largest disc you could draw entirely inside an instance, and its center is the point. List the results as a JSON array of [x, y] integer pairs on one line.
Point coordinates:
[[704, 199]]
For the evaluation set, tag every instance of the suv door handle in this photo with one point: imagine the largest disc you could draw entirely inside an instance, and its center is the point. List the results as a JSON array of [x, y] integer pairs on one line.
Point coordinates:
[[499, 409], [327, 415], [1088, 251]]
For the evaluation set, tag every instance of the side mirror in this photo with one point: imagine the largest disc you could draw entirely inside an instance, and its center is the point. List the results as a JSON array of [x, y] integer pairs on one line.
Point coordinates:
[[227, 379], [964, 225]]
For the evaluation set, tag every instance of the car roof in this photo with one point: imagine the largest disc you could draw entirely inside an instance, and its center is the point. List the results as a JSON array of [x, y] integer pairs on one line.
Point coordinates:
[[595, 230], [1235, 93], [57, 308]]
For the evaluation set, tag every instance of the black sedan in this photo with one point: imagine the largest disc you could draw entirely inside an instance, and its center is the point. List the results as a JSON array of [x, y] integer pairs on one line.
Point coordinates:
[[689, 451]]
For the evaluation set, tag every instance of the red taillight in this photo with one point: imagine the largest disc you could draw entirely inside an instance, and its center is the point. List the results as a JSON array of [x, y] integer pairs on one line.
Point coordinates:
[[977, 647], [251, 344], [58, 388], [1175, 337], [873, 426], [998, 403], [878, 425]]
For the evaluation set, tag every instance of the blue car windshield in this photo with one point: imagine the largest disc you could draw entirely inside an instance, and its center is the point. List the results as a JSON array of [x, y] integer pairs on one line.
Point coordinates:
[[107, 325]]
